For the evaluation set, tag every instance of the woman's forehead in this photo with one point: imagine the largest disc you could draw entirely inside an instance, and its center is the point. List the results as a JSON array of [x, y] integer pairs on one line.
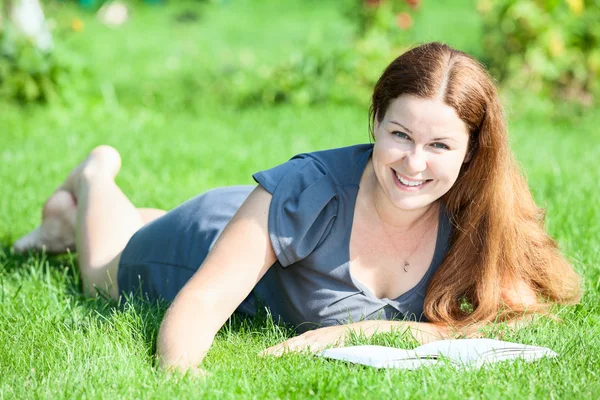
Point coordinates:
[[425, 116]]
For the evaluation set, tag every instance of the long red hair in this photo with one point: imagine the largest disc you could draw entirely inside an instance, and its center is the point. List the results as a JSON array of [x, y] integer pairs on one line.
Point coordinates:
[[499, 242]]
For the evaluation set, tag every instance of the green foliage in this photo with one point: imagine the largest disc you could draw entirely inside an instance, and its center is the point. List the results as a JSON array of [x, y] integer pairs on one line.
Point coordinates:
[[551, 47], [306, 77], [315, 74], [28, 74], [382, 16]]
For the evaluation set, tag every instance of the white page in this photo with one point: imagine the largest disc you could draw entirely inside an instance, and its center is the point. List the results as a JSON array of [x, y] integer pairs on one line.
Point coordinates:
[[465, 351], [374, 356], [474, 352]]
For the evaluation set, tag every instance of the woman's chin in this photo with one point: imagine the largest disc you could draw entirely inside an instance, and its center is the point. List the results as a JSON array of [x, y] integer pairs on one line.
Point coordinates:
[[411, 205], [413, 202]]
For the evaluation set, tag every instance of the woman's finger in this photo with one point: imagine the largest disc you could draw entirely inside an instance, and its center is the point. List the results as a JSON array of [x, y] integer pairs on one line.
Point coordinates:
[[293, 344], [313, 341]]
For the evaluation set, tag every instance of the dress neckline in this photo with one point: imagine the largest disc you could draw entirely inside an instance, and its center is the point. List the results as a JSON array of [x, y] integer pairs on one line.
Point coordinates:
[[356, 177]]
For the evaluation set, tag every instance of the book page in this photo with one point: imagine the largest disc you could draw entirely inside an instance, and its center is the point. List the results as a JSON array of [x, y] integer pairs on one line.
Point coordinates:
[[376, 356], [466, 351]]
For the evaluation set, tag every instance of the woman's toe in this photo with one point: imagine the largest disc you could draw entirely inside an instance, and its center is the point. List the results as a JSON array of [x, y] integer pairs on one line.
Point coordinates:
[[31, 241], [52, 236]]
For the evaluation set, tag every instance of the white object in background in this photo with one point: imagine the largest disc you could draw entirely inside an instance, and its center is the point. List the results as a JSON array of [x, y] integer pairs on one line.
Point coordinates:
[[113, 14], [28, 18], [472, 353]]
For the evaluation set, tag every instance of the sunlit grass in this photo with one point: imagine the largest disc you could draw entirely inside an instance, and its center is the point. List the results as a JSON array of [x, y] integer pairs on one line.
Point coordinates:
[[56, 344]]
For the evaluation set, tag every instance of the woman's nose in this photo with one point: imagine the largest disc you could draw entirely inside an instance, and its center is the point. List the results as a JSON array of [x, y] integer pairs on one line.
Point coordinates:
[[415, 161]]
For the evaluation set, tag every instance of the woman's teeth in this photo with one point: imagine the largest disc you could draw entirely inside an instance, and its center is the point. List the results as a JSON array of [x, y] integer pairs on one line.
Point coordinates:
[[409, 183]]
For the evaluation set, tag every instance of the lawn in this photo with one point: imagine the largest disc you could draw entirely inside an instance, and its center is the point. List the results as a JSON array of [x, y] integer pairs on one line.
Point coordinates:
[[176, 142]]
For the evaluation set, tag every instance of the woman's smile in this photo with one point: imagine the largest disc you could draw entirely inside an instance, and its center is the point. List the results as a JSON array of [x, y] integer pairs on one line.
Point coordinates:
[[407, 184]]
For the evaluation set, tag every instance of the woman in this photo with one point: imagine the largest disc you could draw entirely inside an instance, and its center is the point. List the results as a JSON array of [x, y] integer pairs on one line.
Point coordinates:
[[431, 229]]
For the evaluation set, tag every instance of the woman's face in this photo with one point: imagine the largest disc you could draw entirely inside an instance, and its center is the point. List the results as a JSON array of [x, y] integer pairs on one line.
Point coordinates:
[[420, 146]]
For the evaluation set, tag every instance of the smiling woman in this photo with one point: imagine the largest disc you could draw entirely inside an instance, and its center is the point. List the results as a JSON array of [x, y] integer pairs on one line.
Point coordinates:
[[423, 160], [399, 235]]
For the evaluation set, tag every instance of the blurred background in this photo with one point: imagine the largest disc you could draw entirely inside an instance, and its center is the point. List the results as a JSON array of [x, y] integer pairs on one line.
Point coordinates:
[[178, 54], [187, 89], [197, 94]]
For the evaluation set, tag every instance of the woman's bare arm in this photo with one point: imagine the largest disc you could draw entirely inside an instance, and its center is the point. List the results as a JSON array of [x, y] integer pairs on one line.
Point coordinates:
[[333, 336], [241, 256]]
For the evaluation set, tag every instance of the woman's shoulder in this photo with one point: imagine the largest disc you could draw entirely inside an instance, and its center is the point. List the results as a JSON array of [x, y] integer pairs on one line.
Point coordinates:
[[344, 165], [340, 166], [305, 197]]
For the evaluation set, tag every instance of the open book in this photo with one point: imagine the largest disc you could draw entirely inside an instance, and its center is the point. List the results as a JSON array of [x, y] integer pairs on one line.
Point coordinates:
[[473, 353]]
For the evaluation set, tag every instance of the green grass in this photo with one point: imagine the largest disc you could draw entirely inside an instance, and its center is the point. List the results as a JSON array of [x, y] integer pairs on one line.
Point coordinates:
[[176, 143]]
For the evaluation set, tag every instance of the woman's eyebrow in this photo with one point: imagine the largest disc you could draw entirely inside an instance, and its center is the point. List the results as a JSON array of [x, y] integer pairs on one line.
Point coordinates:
[[402, 126], [409, 131]]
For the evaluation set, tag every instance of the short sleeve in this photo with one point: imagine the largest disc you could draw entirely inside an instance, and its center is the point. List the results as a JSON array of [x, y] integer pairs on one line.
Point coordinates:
[[303, 207]]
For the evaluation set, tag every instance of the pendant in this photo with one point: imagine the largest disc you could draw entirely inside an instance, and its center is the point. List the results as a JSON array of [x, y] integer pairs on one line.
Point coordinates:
[[406, 265]]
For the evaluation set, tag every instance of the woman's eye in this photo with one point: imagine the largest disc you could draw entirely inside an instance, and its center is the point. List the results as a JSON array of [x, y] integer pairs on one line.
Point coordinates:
[[441, 146], [401, 135]]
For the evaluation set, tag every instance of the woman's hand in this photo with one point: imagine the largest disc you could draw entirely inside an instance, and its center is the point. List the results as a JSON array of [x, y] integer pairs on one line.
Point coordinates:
[[334, 336], [178, 371], [313, 341]]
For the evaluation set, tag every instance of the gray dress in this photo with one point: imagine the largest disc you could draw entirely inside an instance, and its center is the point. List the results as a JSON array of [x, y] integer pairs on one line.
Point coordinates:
[[310, 221]]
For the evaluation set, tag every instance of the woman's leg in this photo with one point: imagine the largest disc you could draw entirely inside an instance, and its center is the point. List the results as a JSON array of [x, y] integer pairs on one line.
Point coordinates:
[[90, 210], [106, 220]]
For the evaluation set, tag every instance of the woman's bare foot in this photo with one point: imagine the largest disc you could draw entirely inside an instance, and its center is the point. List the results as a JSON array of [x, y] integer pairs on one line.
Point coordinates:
[[56, 233]]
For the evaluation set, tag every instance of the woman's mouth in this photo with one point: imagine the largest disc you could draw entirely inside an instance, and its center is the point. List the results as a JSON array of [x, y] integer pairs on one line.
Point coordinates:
[[409, 184]]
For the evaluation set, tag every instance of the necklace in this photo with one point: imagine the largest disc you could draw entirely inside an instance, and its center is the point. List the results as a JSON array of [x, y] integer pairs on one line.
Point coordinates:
[[425, 218]]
